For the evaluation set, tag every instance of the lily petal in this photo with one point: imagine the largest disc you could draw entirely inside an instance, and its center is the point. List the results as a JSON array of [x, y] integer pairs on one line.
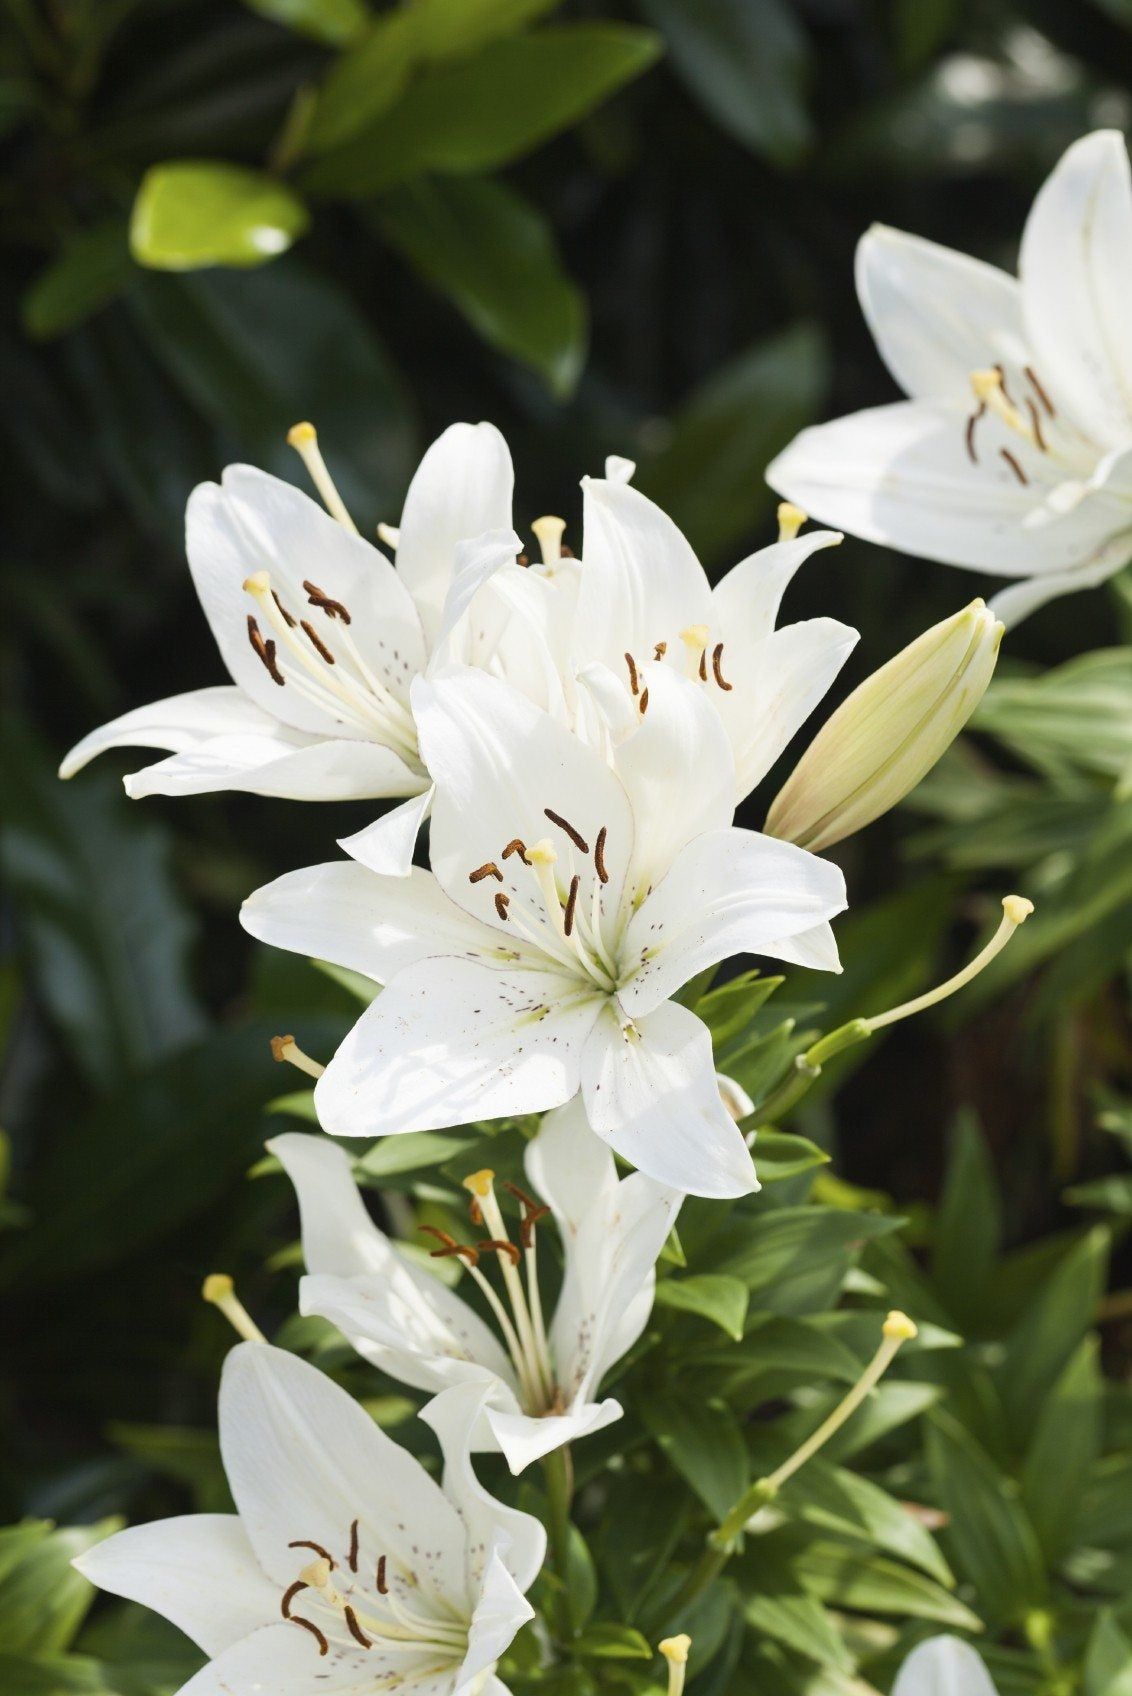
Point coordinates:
[[523, 1438], [180, 723], [651, 1094], [748, 599], [387, 845], [943, 1666], [325, 769], [501, 1611], [281, 1660]]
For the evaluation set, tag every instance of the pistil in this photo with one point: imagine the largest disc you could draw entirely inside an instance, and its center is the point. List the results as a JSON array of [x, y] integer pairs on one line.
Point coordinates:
[[695, 639], [548, 533], [304, 439], [790, 520], [219, 1289]]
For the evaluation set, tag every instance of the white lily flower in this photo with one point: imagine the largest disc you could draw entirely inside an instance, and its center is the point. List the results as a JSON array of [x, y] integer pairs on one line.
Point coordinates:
[[943, 1666], [568, 900], [1014, 453], [323, 637], [644, 598], [542, 1372], [346, 1569]]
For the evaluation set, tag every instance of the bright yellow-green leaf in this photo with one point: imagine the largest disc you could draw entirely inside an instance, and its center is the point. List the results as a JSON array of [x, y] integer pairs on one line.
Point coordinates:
[[192, 213]]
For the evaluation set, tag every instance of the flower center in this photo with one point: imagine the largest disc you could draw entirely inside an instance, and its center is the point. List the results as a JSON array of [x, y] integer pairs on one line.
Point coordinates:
[[367, 1600], [1022, 403], [518, 1313]]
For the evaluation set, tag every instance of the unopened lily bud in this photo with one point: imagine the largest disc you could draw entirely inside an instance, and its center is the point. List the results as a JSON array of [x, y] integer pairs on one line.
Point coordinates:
[[889, 733]]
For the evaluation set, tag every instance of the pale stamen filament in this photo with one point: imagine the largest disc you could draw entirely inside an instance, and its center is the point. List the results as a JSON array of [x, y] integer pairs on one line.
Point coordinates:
[[990, 391], [695, 639], [304, 439], [542, 857], [527, 1390], [286, 1049], [548, 533], [539, 1372], [390, 534], [425, 1633]]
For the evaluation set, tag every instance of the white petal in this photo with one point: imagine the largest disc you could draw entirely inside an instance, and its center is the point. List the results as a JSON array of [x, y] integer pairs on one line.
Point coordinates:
[[198, 1571], [523, 1438], [943, 1666], [730, 892], [775, 687], [181, 722], [475, 563], [283, 1660], [287, 763], [677, 771], [1075, 268], [500, 1612], [747, 600], [815, 949], [462, 487], [498, 763], [452, 1040], [304, 1460], [641, 584], [936, 315], [1016, 603], [900, 475], [518, 1538], [651, 1094], [352, 917], [387, 845], [618, 469]]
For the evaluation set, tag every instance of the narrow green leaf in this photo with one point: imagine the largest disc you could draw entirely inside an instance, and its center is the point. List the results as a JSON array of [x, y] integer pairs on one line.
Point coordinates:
[[1108, 1659], [190, 214], [990, 1536], [843, 1576], [603, 1640], [704, 1443], [43, 1600], [969, 1225], [1064, 1447], [1053, 1324], [415, 1151], [336, 22], [781, 1154], [713, 1295]]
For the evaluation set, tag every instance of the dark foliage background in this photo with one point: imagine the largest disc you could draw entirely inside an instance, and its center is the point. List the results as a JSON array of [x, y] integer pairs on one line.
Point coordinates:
[[667, 274]]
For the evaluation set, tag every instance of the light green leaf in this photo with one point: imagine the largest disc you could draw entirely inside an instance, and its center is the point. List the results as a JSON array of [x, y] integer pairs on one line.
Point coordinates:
[[796, 1620], [713, 1295], [92, 269], [414, 1151], [364, 82], [990, 1537], [336, 22], [781, 1154], [191, 214], [605, 1641], [1108, 1659], [496, 259], [1052, 1325], [844, 1576], [839, 1500], [43, 1600]]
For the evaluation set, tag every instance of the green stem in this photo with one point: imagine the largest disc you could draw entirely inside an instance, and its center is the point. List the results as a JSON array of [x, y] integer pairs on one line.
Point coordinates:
[[558, 1471]]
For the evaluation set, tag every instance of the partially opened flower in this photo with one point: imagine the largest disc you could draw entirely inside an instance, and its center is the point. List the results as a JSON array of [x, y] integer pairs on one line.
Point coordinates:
[[568, 901], [542, 1371], [644, 598], [346, 1568], [323, 636], [943, 1666], [1014, 453]]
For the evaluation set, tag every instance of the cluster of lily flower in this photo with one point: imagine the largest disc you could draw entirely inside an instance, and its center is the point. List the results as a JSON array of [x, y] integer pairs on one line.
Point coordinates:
[[578, 732]]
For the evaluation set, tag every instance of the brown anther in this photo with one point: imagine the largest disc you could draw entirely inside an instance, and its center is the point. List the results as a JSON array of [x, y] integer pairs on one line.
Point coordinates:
[[660, 650], [264, 651], [703, 665], [289, 1596], [969, 434], [1036, 425], [634, 680], [488, 869], [565, 552], [571, 903], [283, 613], [1006, 395], [501, 1245], [354, 1628], [644, 701], [716, 662], [516, 846], [320, 599], [1032, 379], [316, 642], [599, 854], [1005, 453], [575, 836], [279, 1047], [502, 902], [520, 1195], [323, 1645], [352, 1556], [530, 1219], [382, 1586], [523, 559], [450, 1246], [305, 1543]]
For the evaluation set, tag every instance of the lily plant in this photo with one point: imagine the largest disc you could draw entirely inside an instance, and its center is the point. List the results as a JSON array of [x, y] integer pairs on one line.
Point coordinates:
[[541, 1371], [569, 900], [1013, 452], [346, 1568]]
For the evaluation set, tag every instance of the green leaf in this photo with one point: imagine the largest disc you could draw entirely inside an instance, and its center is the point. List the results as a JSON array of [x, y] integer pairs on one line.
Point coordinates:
[[640, 1528], [454, 118], [1063, 1450], [704, 1443], [496, 259], [1108, 1659], [795, 1256], [336, 22], [92, 269], [365, 82], [43, 1600], [713, 1295], [191, 214], [729, 1011], [738, 420], [745, 60], [54, 1675], [415, 1151], [776, 1610], [838, 1500], [1074, 717], [1053, 1324], [991, 1538], [843, 1576], [605, 1641], [444, 29], [188, 1456], [781, 1154], [969, 1227]]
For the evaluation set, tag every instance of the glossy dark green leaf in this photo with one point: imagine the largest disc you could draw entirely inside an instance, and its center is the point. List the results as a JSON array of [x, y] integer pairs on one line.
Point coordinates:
[[496, 259], [704, 1443], [92, 269]]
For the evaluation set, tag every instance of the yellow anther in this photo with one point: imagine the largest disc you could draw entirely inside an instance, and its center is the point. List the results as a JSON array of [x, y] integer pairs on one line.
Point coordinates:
[[217, 1287], [258, 584], [899, 1328], [301, 435], [1017, 908], [790, 520], [480, 1182], [675, 1649], [548, 532], [542, 853]]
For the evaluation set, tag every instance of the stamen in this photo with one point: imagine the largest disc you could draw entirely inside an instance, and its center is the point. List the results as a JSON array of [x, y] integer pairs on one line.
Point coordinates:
[[716, 663], [317, 643], [382, 1586], [264, 650], [1031, 377], [644, 701], [520, 1195], [516, 846], [526, 1342], [1036, 425], [285, 1048], [323, 1645], [283, 613], [1001, 369], [571, 903], [352, 1556], [548, 532], [304, 439], [1016, 909], [290, 1594], [488, 869], [575, 836], [972, 425], [354, 1628], [219, 1289], [660, 650], [634, 681], [323, 1554], [599, 854], [501, 1245], [1005, 453], [790, 520], [320, 599], [522, 559], [990, 389], [703, 666], [502, 902], [450, 1246], [695, 640], [390, 535]]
